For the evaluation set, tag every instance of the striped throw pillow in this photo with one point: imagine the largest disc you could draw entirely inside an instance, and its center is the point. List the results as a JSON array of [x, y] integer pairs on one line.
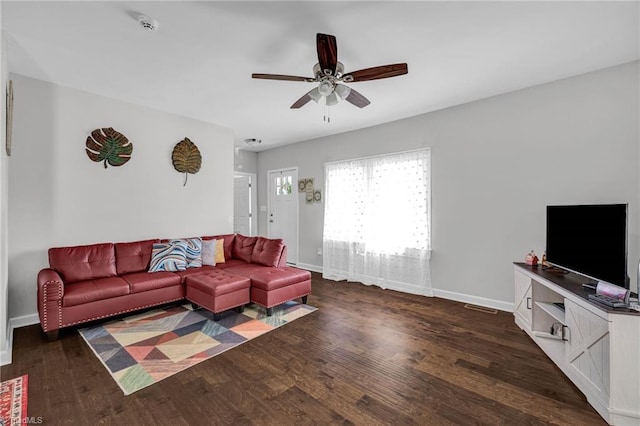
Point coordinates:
[[171, 256], [194, 251]]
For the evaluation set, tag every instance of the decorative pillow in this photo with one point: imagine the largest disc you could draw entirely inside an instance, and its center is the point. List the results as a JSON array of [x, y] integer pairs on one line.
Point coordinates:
[[209, 252], [168, 257], [228, 242], [194, 251], [220, 251]]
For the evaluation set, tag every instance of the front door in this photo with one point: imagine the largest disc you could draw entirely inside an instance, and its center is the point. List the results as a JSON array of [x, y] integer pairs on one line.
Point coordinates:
[[283, 209]]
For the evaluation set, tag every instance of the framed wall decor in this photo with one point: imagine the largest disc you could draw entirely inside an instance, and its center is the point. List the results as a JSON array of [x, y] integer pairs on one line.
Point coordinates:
[[9, 117], [308, 184]]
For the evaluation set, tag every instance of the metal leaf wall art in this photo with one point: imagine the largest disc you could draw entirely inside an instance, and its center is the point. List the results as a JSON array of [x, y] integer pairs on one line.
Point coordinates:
[[186, 158], [109, 146]]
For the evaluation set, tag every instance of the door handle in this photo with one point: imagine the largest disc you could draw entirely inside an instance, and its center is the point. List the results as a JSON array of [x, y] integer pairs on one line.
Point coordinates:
[[528, 303], [271, 220]]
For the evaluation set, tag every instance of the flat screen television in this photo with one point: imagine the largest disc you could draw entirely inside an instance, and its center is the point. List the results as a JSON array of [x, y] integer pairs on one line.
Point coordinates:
[[590, 240]]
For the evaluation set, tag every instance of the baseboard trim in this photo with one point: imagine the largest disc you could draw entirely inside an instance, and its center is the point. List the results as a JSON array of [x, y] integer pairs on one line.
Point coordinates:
[[475, 300], [444, 294], [23, 321], [308, 267], [16, 322]]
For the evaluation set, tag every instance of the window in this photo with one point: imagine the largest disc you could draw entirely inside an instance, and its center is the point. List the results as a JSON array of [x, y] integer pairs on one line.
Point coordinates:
[[284, 185], [377, 224]]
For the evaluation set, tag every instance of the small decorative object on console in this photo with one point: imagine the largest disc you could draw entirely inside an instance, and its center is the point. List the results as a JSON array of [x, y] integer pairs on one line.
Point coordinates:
[[611, 295], [543, 262], [531, 259]]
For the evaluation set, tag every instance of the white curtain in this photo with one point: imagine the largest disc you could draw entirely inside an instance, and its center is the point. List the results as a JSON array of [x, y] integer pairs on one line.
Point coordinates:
[[376, 221]]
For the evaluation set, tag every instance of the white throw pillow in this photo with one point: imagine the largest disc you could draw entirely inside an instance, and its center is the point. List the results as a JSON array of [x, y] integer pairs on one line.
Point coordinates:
[[209, 252]]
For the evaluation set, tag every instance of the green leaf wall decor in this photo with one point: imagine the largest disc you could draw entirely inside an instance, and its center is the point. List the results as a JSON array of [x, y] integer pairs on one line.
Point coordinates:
[[109, 146], [186, 158]]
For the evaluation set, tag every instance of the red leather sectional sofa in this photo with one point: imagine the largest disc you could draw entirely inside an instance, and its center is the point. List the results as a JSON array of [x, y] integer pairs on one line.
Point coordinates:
[[86, 283]]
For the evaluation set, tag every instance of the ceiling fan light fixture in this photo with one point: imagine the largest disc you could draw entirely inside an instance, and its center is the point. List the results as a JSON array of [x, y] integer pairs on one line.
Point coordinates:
[[342, 91], [315, 95], [325, 88], [328, 74], [332, 99]]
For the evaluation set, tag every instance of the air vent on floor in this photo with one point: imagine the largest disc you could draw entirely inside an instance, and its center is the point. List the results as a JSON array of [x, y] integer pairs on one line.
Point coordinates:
[[480, 309]]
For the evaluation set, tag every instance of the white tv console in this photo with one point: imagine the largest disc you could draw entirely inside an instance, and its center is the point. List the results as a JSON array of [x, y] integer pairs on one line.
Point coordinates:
[[597, 347]]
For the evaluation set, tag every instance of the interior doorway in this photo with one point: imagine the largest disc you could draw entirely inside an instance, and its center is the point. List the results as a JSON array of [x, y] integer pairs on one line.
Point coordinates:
[[282, 209], [245, 221]]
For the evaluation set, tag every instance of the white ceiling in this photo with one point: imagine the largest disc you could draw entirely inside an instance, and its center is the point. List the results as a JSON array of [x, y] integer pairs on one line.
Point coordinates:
[[199, 62]]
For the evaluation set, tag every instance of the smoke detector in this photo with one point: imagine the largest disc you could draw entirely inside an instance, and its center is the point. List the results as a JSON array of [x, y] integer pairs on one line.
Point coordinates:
[[147, 23]]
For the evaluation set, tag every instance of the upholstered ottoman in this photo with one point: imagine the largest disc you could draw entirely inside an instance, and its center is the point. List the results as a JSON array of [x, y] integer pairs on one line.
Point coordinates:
[[217, 291], [274, 286]]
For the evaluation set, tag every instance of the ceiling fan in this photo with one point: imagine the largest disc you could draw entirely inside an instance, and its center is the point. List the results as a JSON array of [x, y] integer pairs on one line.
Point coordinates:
[[329, 74]]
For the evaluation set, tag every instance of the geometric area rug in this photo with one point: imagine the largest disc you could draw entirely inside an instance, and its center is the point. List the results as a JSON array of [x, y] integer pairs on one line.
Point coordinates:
[[13, 401], [143, 349]]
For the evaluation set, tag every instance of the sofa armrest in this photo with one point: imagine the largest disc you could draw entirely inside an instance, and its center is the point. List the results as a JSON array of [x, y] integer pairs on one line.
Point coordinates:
[[283, 258], [50, 293]]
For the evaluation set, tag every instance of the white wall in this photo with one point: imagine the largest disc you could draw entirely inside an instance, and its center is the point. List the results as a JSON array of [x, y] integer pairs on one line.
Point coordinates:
[[496, 164], [5, 356], [245, 161], [59, 197]]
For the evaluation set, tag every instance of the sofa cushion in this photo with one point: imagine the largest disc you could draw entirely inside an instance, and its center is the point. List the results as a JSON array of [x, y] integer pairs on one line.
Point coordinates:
[[194, 271], [228, 243], [230, 263], [274, 278], [81, 263], [245, 269], [267, 251], [209, 252], [133, 257], [82, 292], [243, 247], [168, 257], [145, 281], [194, 251]]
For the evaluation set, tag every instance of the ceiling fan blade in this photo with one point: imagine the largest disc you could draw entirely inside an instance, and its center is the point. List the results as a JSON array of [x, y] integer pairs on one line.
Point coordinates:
[[303, 100], [357, 99], [327, 52], [375, 73], [282, 77]]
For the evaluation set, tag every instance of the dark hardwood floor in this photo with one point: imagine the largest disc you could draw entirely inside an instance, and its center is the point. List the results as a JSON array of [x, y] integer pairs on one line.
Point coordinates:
[[367, 356]]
